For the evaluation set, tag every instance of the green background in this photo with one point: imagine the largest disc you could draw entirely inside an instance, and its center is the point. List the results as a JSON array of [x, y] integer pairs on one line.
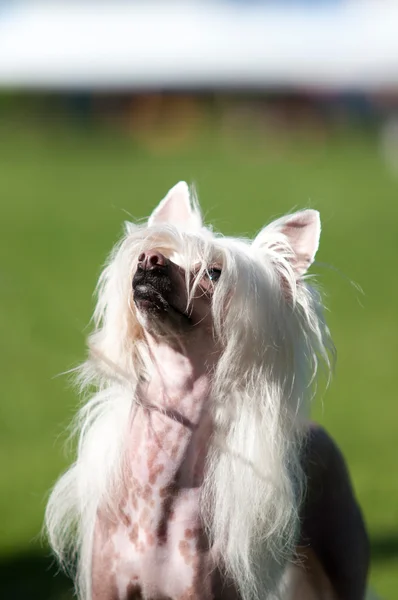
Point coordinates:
[[65, 192]]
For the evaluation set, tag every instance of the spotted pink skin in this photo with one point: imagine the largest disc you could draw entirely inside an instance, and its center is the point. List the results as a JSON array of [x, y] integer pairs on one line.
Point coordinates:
[[157, 548]]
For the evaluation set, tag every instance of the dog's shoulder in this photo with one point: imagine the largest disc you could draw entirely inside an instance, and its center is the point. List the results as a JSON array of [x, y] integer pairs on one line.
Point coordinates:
[[327, 476], [331, 521], [320, 452]]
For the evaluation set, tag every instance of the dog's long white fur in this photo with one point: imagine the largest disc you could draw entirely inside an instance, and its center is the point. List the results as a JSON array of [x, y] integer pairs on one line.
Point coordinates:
[[273, 333]]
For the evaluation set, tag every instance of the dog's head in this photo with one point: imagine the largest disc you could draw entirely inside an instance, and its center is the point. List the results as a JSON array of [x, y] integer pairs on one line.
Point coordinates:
[[173, 277]]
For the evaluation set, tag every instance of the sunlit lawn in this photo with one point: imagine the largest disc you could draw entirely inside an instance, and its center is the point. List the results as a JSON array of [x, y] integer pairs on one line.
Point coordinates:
[[64, 194]]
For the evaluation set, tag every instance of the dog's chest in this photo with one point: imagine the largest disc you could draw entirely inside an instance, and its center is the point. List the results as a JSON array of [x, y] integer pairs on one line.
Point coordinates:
[[157, 553], [155, 547]]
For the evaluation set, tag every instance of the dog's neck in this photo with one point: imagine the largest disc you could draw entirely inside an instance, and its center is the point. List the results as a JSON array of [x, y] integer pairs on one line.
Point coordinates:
[[178, 378], [171, 423]]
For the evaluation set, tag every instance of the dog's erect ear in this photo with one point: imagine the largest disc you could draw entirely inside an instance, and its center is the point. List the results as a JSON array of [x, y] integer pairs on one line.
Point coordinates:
[[302, 231], [177, 209]]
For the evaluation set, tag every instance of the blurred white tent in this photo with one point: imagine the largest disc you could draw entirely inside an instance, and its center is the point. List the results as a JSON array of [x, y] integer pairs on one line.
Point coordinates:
[[172, 45]]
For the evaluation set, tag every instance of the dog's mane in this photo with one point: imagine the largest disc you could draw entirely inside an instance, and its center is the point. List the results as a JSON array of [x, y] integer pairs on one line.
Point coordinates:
[[273, 334]]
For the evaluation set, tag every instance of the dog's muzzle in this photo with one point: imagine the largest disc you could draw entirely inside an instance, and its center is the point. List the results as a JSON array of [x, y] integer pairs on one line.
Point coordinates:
[[151, 281], [156, 287]]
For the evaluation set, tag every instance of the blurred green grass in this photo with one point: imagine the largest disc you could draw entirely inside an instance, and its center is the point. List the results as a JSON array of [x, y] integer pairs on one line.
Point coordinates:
[[64, 194]]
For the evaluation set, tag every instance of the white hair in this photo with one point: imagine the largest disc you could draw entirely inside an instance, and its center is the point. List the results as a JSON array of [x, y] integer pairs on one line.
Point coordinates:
[[270, 324]]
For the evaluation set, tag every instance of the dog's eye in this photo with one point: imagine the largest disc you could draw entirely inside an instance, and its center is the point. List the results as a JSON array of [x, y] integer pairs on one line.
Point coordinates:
[[213, 274]]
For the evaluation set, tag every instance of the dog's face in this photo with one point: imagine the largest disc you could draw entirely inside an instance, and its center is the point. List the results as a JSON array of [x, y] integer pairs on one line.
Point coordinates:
[[161, 294]]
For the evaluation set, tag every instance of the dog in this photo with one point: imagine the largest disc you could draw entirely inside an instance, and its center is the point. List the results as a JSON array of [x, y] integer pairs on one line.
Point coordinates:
[[198, 473]]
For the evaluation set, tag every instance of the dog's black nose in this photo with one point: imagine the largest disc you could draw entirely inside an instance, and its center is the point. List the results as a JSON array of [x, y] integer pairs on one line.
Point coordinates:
[[150, 260]]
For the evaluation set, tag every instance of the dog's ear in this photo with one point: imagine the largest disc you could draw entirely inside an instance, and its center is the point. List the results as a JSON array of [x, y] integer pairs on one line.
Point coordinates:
[[302, 231], [177, 209]]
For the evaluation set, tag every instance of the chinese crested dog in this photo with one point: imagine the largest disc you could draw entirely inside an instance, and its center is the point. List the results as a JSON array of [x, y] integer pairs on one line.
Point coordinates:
[[198, 475]]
